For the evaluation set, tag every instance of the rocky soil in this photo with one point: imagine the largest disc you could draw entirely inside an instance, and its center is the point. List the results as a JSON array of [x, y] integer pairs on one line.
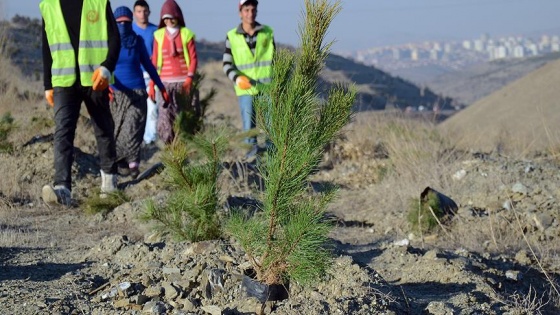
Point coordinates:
[[64, 261]]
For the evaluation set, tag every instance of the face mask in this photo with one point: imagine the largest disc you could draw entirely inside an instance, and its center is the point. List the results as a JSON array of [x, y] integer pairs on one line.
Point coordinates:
[[172, 30], [128, 37]]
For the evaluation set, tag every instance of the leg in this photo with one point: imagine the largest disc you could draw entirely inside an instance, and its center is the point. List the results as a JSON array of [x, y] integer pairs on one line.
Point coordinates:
[[166, 116], [119, 110], [97, 104], [66, 112], [247, 116], [150, 133], [134, 123]]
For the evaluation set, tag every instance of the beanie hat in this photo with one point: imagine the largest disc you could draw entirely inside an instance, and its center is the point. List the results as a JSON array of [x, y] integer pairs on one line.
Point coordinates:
[[123, 14], [247, 2]]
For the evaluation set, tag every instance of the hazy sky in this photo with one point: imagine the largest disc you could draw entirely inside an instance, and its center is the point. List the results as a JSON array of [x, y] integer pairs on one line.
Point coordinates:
[[362, 23]]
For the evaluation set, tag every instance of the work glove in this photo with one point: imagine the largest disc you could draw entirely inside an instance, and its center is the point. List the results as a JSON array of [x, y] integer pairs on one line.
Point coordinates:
[[187, 85], [152, 91], [243, 82], [101, 78], [49, 96], [166, 98], [111, 95]]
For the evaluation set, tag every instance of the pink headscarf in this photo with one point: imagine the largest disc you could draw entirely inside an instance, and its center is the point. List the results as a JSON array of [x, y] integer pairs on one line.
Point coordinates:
[[171, 8]]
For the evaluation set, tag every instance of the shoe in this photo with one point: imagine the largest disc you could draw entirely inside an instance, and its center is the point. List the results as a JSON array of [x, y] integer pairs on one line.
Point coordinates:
[[58, 194], [134, 172], [108, 184]]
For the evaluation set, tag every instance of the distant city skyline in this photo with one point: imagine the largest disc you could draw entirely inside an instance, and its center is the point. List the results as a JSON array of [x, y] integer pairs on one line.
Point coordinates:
[[361, 23]]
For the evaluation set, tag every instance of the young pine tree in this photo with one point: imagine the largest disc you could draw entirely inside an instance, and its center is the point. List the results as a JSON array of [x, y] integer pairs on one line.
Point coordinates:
[[288, 239]]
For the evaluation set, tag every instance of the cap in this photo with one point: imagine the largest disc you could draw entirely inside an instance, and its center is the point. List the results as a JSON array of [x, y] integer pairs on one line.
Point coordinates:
[[123, 14], [167, 16], [247, 2]]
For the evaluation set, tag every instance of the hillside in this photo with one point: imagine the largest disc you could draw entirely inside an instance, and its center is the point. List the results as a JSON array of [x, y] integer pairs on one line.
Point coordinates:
[[377, 89], [476, 82], [471, 84], [523, 113]]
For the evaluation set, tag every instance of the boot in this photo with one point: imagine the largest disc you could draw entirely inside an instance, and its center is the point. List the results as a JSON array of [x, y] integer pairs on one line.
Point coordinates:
[[108, 184], [58, 194]]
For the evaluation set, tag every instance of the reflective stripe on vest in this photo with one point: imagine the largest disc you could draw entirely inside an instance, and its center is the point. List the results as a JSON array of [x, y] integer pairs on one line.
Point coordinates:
[[93, 45], [186, 36], [257, 67]]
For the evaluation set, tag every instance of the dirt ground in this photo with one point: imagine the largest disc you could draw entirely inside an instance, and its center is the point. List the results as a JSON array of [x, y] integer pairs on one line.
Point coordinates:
[[59, 260]]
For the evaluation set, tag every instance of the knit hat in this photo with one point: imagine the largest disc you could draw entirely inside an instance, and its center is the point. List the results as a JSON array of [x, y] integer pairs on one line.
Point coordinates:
[[247, 2], [123, 14]]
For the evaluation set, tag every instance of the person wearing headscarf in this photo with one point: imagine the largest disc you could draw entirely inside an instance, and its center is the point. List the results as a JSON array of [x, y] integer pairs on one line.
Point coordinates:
[[174, 55], [129, 96]]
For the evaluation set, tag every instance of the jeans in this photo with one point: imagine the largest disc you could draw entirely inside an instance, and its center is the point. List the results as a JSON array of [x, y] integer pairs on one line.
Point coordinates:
[[67, 103], [247, 116], [150, 133]]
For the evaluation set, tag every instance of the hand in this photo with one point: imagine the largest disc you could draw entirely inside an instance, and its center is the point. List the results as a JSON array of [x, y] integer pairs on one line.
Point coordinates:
[[166, 98], [49, 96], [111, 95], [187, 85], [100, 78], [243, 82], [152, 91]]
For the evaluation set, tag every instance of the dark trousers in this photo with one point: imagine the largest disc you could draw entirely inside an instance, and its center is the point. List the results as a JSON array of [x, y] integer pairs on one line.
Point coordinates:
[[67, 103]]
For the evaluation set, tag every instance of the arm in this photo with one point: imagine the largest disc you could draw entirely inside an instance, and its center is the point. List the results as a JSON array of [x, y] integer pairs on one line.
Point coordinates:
[[155, 53], [47, 60], [191, 46], [147, 63], [228, 63], [114, 41]]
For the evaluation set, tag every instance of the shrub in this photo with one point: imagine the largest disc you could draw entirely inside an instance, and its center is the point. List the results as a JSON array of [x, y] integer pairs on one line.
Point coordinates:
[[423, 215], [190, 213], [6, 127], [96, 204]]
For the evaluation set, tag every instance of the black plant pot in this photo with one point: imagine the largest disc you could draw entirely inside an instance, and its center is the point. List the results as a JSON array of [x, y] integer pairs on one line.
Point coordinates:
[[264, 292]]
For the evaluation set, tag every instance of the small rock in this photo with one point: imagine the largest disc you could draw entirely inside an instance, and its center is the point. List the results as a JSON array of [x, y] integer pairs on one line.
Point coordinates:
[[199, 248], [153, 291], [122, 303], [542, 220], [171, 292], [154, 308], [513, 275], [431, 254], [520, 188], [212, 309], [246, 265], [459, 175], [140, 299], [188, 305], [170, 270], [226, 259], [403, 242], [438, 308]]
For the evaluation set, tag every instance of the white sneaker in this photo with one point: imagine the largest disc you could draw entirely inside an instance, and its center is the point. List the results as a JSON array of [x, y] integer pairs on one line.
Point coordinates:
[[108, 184], [58, 194]]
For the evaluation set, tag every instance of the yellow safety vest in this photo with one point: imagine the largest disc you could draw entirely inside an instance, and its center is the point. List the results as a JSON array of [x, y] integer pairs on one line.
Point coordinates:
[[257, 67], [93, 47], [186, 36]]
